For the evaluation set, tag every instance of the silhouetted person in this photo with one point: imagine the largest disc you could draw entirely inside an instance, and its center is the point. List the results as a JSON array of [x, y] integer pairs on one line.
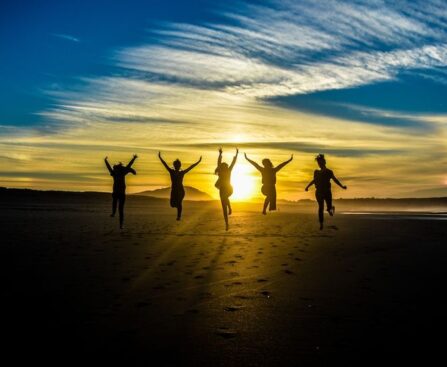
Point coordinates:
[[119, 172], [322, 181], [223, 183], [268, 173], [177, 189]]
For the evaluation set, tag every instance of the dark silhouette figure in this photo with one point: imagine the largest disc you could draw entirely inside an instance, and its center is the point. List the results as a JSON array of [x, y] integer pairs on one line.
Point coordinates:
[[268, 173], [119, 172], [177, 189], [322, 181], [223, 183]]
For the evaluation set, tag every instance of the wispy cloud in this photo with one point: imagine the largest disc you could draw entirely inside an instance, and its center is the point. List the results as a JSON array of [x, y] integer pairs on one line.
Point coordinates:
[[66, 37], [192, 87]]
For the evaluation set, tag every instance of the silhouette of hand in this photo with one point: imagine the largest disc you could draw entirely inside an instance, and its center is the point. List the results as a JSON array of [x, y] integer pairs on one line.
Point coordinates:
[[220, 150], [245, 155], [106, 158], [345, 187], [135, 156], [200, 159], [306, 189], [291, 157], [237, 151], [159, 154]]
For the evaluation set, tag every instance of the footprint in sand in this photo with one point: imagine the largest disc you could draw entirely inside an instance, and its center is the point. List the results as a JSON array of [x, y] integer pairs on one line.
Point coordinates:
[[241, 296], [226, 333], [287, 271], [261, 280], [233, 308], [266, 294]]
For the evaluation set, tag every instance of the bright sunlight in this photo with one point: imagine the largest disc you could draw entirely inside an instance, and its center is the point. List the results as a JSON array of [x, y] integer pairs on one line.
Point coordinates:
[[243, 182]]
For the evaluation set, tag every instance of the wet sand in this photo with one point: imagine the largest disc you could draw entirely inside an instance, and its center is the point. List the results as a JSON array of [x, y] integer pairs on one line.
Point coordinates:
[[274, 290]]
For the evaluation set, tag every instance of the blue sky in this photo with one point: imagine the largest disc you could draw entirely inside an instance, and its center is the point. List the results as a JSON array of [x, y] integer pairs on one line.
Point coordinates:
[[353, 79]]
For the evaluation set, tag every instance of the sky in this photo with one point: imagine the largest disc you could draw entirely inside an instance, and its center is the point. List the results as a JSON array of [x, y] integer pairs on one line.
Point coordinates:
[[364, 82]]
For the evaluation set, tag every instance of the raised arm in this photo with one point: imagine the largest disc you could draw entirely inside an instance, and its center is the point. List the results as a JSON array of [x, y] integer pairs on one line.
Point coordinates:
[[108, 165], [219, 159], [233, 162], [309, 185], [279, 166], [164, 163], [257, 166], [338, 182], [192, 165], [129, 165]]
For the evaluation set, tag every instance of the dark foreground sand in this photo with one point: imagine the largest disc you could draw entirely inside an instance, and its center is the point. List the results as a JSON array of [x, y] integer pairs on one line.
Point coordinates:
[[273, 291]]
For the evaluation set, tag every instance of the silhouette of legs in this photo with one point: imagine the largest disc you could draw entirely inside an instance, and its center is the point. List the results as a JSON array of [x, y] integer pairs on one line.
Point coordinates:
[[114, 203], [328, 199], [270, 198], [225, 205], [320, 200], [179, 211], [266, 203], [121, 201], [229, 208]]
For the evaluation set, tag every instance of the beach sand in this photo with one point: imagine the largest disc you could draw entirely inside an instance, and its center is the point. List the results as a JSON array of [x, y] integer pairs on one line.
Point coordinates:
[[273, 290]]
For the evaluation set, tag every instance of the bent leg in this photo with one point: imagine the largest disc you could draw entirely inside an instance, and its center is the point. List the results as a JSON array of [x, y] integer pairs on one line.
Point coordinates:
[[328, 199], [224, 202], [266, 203]]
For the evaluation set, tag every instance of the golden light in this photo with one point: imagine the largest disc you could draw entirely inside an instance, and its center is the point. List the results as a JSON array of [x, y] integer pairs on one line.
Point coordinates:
[[244, 185]]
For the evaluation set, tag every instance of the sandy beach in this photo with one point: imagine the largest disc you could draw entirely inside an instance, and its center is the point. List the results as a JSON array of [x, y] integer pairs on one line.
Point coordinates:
[[273, 290]]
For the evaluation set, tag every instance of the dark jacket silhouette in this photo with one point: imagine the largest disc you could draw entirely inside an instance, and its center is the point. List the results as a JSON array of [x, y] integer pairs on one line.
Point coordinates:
[[223, 183], [177, 189], [322, 181], [268, 188], [119, 172]]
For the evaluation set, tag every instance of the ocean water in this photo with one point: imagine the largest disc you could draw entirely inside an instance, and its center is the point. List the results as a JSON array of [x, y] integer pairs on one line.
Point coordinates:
[[399, 215]]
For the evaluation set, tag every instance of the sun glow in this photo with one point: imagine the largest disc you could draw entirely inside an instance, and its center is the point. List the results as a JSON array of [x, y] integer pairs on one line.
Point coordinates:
[[243, 182]]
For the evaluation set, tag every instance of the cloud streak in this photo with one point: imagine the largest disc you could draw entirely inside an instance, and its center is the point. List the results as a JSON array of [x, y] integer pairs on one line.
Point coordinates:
[[192, 87]]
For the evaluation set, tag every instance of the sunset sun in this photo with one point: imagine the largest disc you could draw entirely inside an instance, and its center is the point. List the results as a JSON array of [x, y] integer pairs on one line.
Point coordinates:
[[243, 182]]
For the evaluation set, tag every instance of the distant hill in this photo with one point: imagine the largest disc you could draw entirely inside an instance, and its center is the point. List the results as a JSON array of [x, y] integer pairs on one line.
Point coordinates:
[[164, 193]]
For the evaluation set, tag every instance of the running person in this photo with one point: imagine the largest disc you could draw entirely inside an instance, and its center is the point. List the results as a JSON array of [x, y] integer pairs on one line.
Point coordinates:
[[223, 183], [177, 189], [119, 172], [268, 173], [322, 182]]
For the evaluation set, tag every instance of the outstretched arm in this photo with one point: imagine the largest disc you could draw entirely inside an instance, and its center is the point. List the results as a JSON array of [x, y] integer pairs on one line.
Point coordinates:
[[233, 162], [193, 165], [131, 161], [163, 161], [219, 159], [257, 166], [338, 182], [279, 166], [108, 165], [309, 185]]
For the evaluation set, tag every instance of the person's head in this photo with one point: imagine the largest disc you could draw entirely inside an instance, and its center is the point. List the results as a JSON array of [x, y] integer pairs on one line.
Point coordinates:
[[177, 164], [321, 160], [118, 166], [267, 163], [222, 168]]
